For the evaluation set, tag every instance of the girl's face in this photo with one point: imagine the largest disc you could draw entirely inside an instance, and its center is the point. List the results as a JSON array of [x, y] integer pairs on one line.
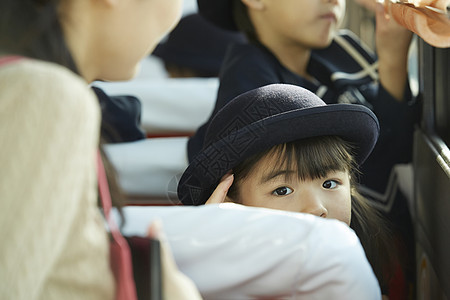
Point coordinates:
[[280, 188], [308, 23], [143, 23], [110, 37]]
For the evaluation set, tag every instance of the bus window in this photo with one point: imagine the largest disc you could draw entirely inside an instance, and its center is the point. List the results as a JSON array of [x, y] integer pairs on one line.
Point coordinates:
[[442, 97], [432, 175]]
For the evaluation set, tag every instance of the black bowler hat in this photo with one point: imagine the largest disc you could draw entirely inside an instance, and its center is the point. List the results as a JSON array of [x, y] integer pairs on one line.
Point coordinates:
[[197, 44], [219, 12], [267, 116]]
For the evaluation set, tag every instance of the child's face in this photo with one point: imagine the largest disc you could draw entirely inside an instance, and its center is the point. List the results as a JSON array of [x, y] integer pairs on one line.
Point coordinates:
[[269, 187], [310, 23], [125, 33]]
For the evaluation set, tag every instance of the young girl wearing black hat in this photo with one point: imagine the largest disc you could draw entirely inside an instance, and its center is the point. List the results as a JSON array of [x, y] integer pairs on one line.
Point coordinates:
[[288, 150]]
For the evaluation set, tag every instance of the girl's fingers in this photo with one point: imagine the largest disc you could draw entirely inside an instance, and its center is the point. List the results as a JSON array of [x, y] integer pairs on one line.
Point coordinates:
[[220, 193]]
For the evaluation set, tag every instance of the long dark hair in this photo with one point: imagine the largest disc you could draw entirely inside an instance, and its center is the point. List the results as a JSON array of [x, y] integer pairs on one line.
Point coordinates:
[[314, 158], [32, 28]]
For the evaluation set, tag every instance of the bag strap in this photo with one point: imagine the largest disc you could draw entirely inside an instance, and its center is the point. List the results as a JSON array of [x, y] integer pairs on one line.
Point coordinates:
[[4, 60], [105, 198], [125, 286]]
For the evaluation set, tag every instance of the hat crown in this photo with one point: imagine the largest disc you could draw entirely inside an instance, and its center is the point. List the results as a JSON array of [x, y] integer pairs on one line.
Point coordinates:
[[256, 105]]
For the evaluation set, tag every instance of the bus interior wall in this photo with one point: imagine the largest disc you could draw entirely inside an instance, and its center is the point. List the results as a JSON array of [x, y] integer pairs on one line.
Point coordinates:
[[431, 165]]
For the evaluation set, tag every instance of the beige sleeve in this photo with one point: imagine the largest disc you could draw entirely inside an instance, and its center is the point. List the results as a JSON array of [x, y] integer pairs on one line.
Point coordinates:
[[49, 123]]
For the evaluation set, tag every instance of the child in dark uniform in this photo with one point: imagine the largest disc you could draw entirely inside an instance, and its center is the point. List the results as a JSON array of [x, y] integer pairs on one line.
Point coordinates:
[[299, 42]]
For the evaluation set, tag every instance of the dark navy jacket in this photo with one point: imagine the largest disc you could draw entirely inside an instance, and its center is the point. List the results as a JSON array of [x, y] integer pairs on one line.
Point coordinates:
[[345, 72], [121, 117]]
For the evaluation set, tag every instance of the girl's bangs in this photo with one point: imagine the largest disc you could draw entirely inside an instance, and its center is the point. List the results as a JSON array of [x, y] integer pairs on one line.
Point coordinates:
[[315, 157]]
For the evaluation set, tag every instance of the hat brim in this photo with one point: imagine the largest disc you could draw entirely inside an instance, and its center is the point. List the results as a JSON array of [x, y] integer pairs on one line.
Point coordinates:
[[354, 123]]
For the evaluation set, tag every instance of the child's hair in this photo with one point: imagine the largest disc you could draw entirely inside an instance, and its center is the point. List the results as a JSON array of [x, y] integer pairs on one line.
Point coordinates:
[[314, 158], [33, 29], [242, 20]]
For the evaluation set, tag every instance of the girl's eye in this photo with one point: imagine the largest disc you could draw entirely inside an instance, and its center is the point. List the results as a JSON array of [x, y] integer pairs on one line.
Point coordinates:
[[282, 191], [330, 184]]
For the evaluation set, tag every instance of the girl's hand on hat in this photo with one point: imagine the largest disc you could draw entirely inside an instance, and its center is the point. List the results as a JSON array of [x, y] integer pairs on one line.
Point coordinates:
[[220, 193]]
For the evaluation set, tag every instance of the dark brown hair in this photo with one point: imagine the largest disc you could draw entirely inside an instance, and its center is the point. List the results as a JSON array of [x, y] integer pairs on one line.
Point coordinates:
[[314, 158], [32, 28], [178, 71], [243, 22]]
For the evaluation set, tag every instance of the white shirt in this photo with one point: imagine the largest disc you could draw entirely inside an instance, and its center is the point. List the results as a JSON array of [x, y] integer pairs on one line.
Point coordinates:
[[236, 252]]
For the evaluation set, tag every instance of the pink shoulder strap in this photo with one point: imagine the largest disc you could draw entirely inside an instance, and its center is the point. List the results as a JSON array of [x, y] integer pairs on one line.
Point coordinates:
[[9, 59], [120, 254]]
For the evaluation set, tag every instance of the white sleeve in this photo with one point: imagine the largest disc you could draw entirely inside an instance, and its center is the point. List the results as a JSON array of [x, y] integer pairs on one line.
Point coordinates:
[[236, 252], [151, 166], [169, 104]]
